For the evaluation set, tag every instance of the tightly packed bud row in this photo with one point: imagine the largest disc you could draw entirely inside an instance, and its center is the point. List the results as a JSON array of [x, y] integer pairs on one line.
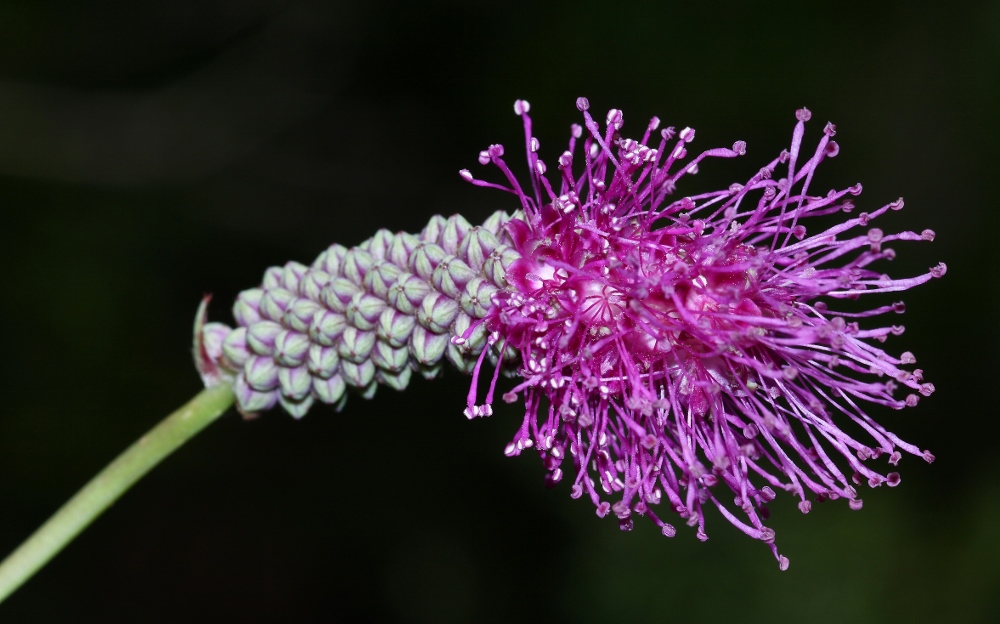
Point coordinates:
[[358, 317]]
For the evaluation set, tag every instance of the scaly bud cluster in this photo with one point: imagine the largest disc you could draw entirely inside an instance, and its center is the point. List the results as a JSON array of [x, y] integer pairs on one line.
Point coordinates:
[[359, 317]]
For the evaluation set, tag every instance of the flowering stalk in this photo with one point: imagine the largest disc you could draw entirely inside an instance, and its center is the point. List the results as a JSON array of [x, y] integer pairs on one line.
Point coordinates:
[[673, 348], [679, 350]]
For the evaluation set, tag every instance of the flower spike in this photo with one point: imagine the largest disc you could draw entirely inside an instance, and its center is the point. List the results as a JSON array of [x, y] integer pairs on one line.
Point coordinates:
[[683, 351]]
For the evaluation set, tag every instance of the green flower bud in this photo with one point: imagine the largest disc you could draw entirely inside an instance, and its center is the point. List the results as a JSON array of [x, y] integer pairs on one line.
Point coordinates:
[[475, 300], [299, 314], [357, 263], [402, 246], [261, 335], [390, 358], [246, 310], [495, 267], [297, 409], [459, 359], [261, 373], [331, 259], [437, 312], [380, 279], [427, 347], [274, 277], [291, 275], [274, 303], [451, 276], [327, 327], [355, 345], [322, 361], [358, 375], [408, 292], [495, 222], [425, 259], [379, 244], [395, 327], [234, 347], [472, 344], [295, 382], [251, 400], [432, 231], [363, 310], [290, 348], [455, 230], [477, 246], [312, 284], [338, 293], [329, 390]]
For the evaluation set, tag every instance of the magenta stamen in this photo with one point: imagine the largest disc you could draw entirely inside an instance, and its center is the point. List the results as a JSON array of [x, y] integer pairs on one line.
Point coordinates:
[[660, 338]]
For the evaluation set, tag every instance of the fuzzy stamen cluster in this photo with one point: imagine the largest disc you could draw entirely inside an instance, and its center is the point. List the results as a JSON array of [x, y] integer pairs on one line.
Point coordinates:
[[689, 351]]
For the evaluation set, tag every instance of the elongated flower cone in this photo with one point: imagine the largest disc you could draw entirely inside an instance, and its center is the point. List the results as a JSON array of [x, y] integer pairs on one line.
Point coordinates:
[[359, 317], [683, 351]]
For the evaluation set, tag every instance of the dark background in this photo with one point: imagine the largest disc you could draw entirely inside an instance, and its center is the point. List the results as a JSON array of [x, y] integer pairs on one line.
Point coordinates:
[[154, 151]]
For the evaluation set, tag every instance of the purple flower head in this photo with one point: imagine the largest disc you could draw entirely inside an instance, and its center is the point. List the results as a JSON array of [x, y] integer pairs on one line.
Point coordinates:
[[688, 351]]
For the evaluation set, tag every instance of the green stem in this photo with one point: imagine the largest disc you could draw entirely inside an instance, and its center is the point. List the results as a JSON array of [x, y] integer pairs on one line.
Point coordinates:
[[110, 483]]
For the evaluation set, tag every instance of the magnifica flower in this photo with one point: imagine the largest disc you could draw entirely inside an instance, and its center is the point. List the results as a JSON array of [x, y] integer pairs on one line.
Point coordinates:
[[678, 349]]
